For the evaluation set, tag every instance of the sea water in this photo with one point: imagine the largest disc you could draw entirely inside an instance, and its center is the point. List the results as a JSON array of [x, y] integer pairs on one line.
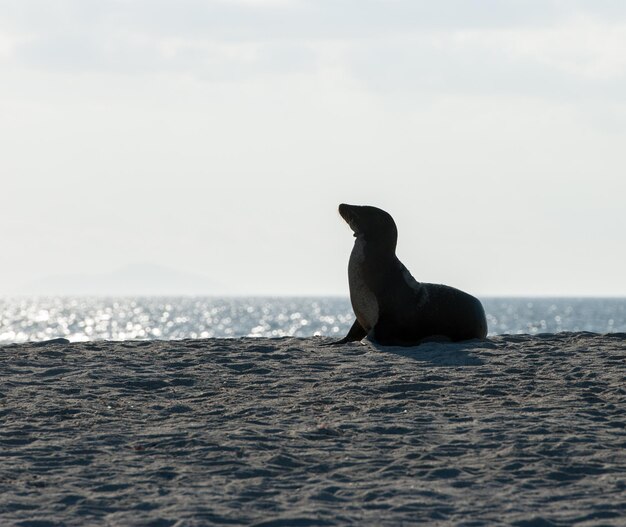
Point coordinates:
[[84, 318]]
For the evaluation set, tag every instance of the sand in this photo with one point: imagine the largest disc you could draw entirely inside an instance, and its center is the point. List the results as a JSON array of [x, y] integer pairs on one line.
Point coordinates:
[[514, 430]]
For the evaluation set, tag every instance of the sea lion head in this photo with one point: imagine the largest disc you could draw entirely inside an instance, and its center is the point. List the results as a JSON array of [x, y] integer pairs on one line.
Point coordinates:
[[371, 224]]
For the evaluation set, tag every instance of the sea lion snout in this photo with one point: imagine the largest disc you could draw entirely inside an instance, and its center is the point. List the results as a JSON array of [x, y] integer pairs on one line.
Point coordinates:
[[347, 212]]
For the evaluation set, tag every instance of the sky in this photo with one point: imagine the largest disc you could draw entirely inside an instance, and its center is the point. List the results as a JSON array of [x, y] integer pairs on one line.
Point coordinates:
[[217, 138]]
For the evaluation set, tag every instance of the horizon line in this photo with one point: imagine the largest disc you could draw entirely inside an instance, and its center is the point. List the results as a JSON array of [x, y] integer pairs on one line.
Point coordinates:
[[299, 295]]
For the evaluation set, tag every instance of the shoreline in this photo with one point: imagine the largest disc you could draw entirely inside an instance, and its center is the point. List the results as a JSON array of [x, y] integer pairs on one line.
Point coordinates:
[[282, 431], [319, 339]]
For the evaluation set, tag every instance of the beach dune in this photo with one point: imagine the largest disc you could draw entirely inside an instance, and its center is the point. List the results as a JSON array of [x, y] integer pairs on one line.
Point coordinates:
[[521, 430]]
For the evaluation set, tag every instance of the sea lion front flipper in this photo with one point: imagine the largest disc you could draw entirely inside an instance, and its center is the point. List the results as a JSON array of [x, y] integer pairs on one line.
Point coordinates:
[[356, 334]]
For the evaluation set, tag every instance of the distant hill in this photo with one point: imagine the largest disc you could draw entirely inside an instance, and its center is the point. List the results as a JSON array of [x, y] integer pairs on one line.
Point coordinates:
[[131, 280]]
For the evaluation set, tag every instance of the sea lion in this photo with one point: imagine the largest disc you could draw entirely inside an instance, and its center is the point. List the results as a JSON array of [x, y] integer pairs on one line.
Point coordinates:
[[391, 307]]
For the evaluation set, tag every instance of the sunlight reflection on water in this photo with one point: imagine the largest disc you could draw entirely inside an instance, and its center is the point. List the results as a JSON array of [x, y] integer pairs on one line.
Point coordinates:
[[80, 319]]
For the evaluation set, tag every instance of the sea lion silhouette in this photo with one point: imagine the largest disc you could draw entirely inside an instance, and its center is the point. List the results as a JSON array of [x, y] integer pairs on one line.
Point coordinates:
[[391, 307]]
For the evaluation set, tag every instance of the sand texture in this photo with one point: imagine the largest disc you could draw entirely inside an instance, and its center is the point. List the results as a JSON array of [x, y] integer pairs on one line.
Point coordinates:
[[514, 430]]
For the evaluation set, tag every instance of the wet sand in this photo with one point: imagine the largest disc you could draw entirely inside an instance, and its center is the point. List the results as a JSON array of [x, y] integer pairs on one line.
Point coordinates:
[[516, 430]]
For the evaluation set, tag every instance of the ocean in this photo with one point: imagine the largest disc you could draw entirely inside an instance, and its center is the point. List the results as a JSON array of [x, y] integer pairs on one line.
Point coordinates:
[[149, 318]]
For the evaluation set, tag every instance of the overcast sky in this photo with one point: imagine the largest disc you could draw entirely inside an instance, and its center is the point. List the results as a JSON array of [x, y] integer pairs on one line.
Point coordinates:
[[218, 137]]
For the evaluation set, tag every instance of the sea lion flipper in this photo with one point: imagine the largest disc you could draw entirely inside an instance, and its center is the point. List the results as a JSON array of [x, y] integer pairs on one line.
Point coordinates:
[[356, 334]]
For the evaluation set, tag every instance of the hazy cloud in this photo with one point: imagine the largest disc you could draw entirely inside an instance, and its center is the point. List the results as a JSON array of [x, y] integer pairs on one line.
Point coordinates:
[[531, 47]]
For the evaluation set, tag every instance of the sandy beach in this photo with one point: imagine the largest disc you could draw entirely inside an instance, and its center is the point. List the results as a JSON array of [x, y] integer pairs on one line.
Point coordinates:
[[514, 430]]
